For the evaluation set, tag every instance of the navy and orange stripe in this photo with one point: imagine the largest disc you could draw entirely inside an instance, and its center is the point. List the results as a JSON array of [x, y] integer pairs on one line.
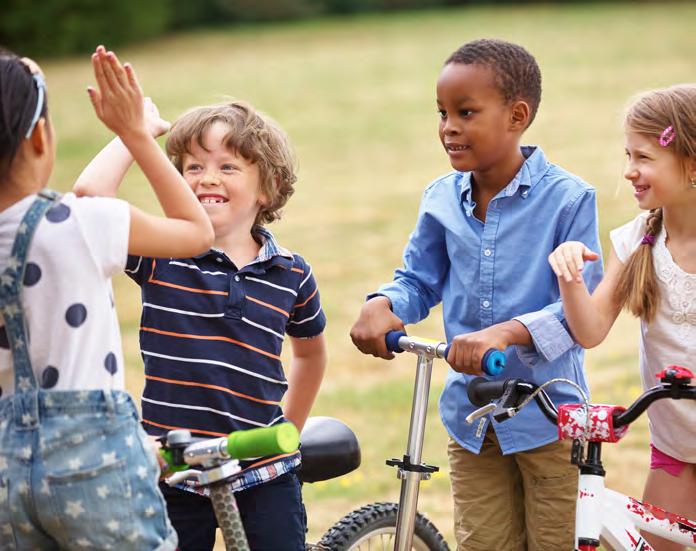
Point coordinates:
[[194, 303]]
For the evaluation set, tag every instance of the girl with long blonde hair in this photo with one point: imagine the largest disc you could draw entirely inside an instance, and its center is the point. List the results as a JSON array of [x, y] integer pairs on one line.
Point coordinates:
[[651, 272]]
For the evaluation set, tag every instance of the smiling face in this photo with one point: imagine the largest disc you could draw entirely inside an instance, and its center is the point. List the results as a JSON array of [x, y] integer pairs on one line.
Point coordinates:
[[477, 127], [226, 184], [656, 173]]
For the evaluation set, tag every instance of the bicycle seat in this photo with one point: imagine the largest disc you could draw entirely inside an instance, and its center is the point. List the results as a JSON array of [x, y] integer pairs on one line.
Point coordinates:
[[329, 449]]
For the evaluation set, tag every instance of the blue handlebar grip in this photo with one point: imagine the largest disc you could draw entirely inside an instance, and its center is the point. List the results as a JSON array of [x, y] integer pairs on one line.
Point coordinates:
[[493, 362], [449, 345], [392, 341]]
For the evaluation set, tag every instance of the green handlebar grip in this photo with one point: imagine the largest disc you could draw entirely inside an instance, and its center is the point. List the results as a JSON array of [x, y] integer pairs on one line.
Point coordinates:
[[282, 438]]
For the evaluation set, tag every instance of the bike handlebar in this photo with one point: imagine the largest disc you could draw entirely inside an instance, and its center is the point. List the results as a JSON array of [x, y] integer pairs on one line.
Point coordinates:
[[282, 438], [482, 391], [492, 363], [180, 450]]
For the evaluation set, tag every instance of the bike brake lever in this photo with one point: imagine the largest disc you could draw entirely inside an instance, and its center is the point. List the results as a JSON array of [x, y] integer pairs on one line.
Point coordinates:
[[181, 476], [507, 405], [480, 412]]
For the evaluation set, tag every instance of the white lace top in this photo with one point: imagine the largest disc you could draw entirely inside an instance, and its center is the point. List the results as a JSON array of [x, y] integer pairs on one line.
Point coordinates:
[[669, 339]]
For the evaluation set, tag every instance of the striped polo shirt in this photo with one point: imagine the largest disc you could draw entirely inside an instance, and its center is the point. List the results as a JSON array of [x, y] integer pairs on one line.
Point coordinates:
[[211, 337]]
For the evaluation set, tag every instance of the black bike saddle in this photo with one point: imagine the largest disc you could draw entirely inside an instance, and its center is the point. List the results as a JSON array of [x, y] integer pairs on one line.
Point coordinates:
[[329, 449]]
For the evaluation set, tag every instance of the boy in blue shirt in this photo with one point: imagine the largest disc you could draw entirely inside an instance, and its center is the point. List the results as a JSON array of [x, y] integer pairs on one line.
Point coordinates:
[[480, 246], [213, 325]]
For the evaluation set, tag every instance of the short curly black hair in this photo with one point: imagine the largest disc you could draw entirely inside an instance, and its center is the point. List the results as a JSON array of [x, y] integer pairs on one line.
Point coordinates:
[[517, 73]]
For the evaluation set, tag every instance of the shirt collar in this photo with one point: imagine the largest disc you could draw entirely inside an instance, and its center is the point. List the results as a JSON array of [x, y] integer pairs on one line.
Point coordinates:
[[528, 176], [269, 246], [270, 250]]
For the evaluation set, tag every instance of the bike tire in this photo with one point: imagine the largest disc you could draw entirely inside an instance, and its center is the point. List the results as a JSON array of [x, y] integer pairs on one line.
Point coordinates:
[[373, 526]]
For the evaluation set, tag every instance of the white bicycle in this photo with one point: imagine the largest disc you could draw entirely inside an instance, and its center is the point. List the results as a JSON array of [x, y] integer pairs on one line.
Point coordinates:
[[601, 514]]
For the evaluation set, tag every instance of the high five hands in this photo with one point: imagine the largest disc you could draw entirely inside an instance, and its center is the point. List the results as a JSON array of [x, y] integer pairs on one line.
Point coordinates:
[[118, 99]]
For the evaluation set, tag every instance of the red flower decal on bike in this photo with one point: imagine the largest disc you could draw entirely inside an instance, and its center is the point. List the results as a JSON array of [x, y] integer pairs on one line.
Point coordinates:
[[598, 426]]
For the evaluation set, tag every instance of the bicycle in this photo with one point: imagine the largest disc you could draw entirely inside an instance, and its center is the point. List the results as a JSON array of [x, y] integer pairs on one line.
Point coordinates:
[[602, 515]]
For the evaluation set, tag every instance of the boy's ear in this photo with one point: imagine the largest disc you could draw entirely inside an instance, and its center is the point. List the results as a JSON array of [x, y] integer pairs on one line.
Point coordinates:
[[262, 199], [519, 115]]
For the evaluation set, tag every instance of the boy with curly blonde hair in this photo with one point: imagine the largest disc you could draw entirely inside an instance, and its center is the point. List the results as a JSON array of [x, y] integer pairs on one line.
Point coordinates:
[[213, 325]]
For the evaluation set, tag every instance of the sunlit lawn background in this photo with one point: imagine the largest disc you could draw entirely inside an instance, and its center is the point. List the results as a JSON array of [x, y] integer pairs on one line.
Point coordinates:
[[356, 96]]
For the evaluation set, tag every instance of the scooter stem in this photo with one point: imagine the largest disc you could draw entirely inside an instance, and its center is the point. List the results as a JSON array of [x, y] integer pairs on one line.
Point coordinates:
[[410, 472]]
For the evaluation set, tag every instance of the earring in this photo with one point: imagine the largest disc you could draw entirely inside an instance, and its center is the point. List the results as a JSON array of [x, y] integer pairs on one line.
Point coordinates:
[[693, 182]]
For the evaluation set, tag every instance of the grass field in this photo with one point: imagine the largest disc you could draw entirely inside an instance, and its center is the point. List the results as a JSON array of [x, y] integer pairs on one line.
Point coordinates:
[[356, 96]]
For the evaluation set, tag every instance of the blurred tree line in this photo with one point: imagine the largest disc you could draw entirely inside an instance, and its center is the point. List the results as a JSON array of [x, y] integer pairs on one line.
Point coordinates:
[[59, 27]]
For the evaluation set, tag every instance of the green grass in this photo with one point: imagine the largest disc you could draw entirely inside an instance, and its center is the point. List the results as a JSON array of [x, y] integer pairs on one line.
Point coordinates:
[[356, 96]]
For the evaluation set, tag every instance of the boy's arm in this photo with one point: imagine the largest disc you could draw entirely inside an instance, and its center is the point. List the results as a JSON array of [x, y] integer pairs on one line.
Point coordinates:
[[306, 373], [104, 174], [416, 287], [547, 327]]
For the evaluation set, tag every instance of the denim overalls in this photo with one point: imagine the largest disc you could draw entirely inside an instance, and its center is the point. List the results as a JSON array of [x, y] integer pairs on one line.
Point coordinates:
[[75, 468]]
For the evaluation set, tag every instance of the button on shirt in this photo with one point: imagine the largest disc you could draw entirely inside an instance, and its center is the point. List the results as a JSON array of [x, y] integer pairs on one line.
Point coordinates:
[[488, 273]]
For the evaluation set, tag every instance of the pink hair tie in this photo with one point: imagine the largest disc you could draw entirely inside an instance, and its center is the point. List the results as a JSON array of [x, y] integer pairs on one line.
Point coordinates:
[[648, 240], [667, 136]]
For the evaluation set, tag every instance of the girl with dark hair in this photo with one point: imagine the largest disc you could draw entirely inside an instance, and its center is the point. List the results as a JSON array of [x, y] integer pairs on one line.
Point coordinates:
[[76, 469]]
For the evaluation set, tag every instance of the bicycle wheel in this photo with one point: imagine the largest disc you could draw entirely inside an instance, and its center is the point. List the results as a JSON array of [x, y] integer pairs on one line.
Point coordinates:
[[373, 527]]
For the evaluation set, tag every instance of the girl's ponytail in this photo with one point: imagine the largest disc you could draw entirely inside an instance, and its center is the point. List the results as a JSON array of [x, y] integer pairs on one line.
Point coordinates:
[[637, 289]]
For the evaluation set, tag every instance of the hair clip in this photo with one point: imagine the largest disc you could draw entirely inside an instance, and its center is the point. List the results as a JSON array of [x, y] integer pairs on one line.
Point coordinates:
[[667, 136], [648, 240]]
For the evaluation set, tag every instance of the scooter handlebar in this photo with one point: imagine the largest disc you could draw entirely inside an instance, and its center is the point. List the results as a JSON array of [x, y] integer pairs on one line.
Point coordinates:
[[492, 363]]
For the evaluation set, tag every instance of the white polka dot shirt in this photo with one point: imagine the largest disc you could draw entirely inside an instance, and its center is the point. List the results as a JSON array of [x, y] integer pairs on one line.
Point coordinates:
[[74, 337]]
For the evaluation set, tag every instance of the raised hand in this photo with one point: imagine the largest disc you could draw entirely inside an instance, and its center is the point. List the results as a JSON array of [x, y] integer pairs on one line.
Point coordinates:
[[156, 125], [568, 260], [118, 99]]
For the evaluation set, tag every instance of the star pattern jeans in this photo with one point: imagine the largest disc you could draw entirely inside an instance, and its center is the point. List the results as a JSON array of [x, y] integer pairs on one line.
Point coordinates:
[[76, 472]]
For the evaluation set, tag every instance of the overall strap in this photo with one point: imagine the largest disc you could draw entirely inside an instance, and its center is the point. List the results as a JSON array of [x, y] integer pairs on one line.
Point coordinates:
[[11, 284]]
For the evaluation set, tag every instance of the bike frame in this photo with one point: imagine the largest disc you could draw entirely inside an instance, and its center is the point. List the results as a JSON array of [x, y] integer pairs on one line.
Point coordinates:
[[618, 519], [410, 470], [218, 472]]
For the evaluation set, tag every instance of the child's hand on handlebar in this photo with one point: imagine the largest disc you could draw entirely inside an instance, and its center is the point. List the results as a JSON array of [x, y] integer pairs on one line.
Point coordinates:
[[467, 350], [568, 259], [376, 320]]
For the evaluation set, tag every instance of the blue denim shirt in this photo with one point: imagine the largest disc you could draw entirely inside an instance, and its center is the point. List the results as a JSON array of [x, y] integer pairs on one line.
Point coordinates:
[[488, 273]]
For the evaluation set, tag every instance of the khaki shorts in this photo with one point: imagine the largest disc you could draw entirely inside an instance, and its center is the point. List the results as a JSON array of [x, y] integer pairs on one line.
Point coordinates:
[[519, 502]]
